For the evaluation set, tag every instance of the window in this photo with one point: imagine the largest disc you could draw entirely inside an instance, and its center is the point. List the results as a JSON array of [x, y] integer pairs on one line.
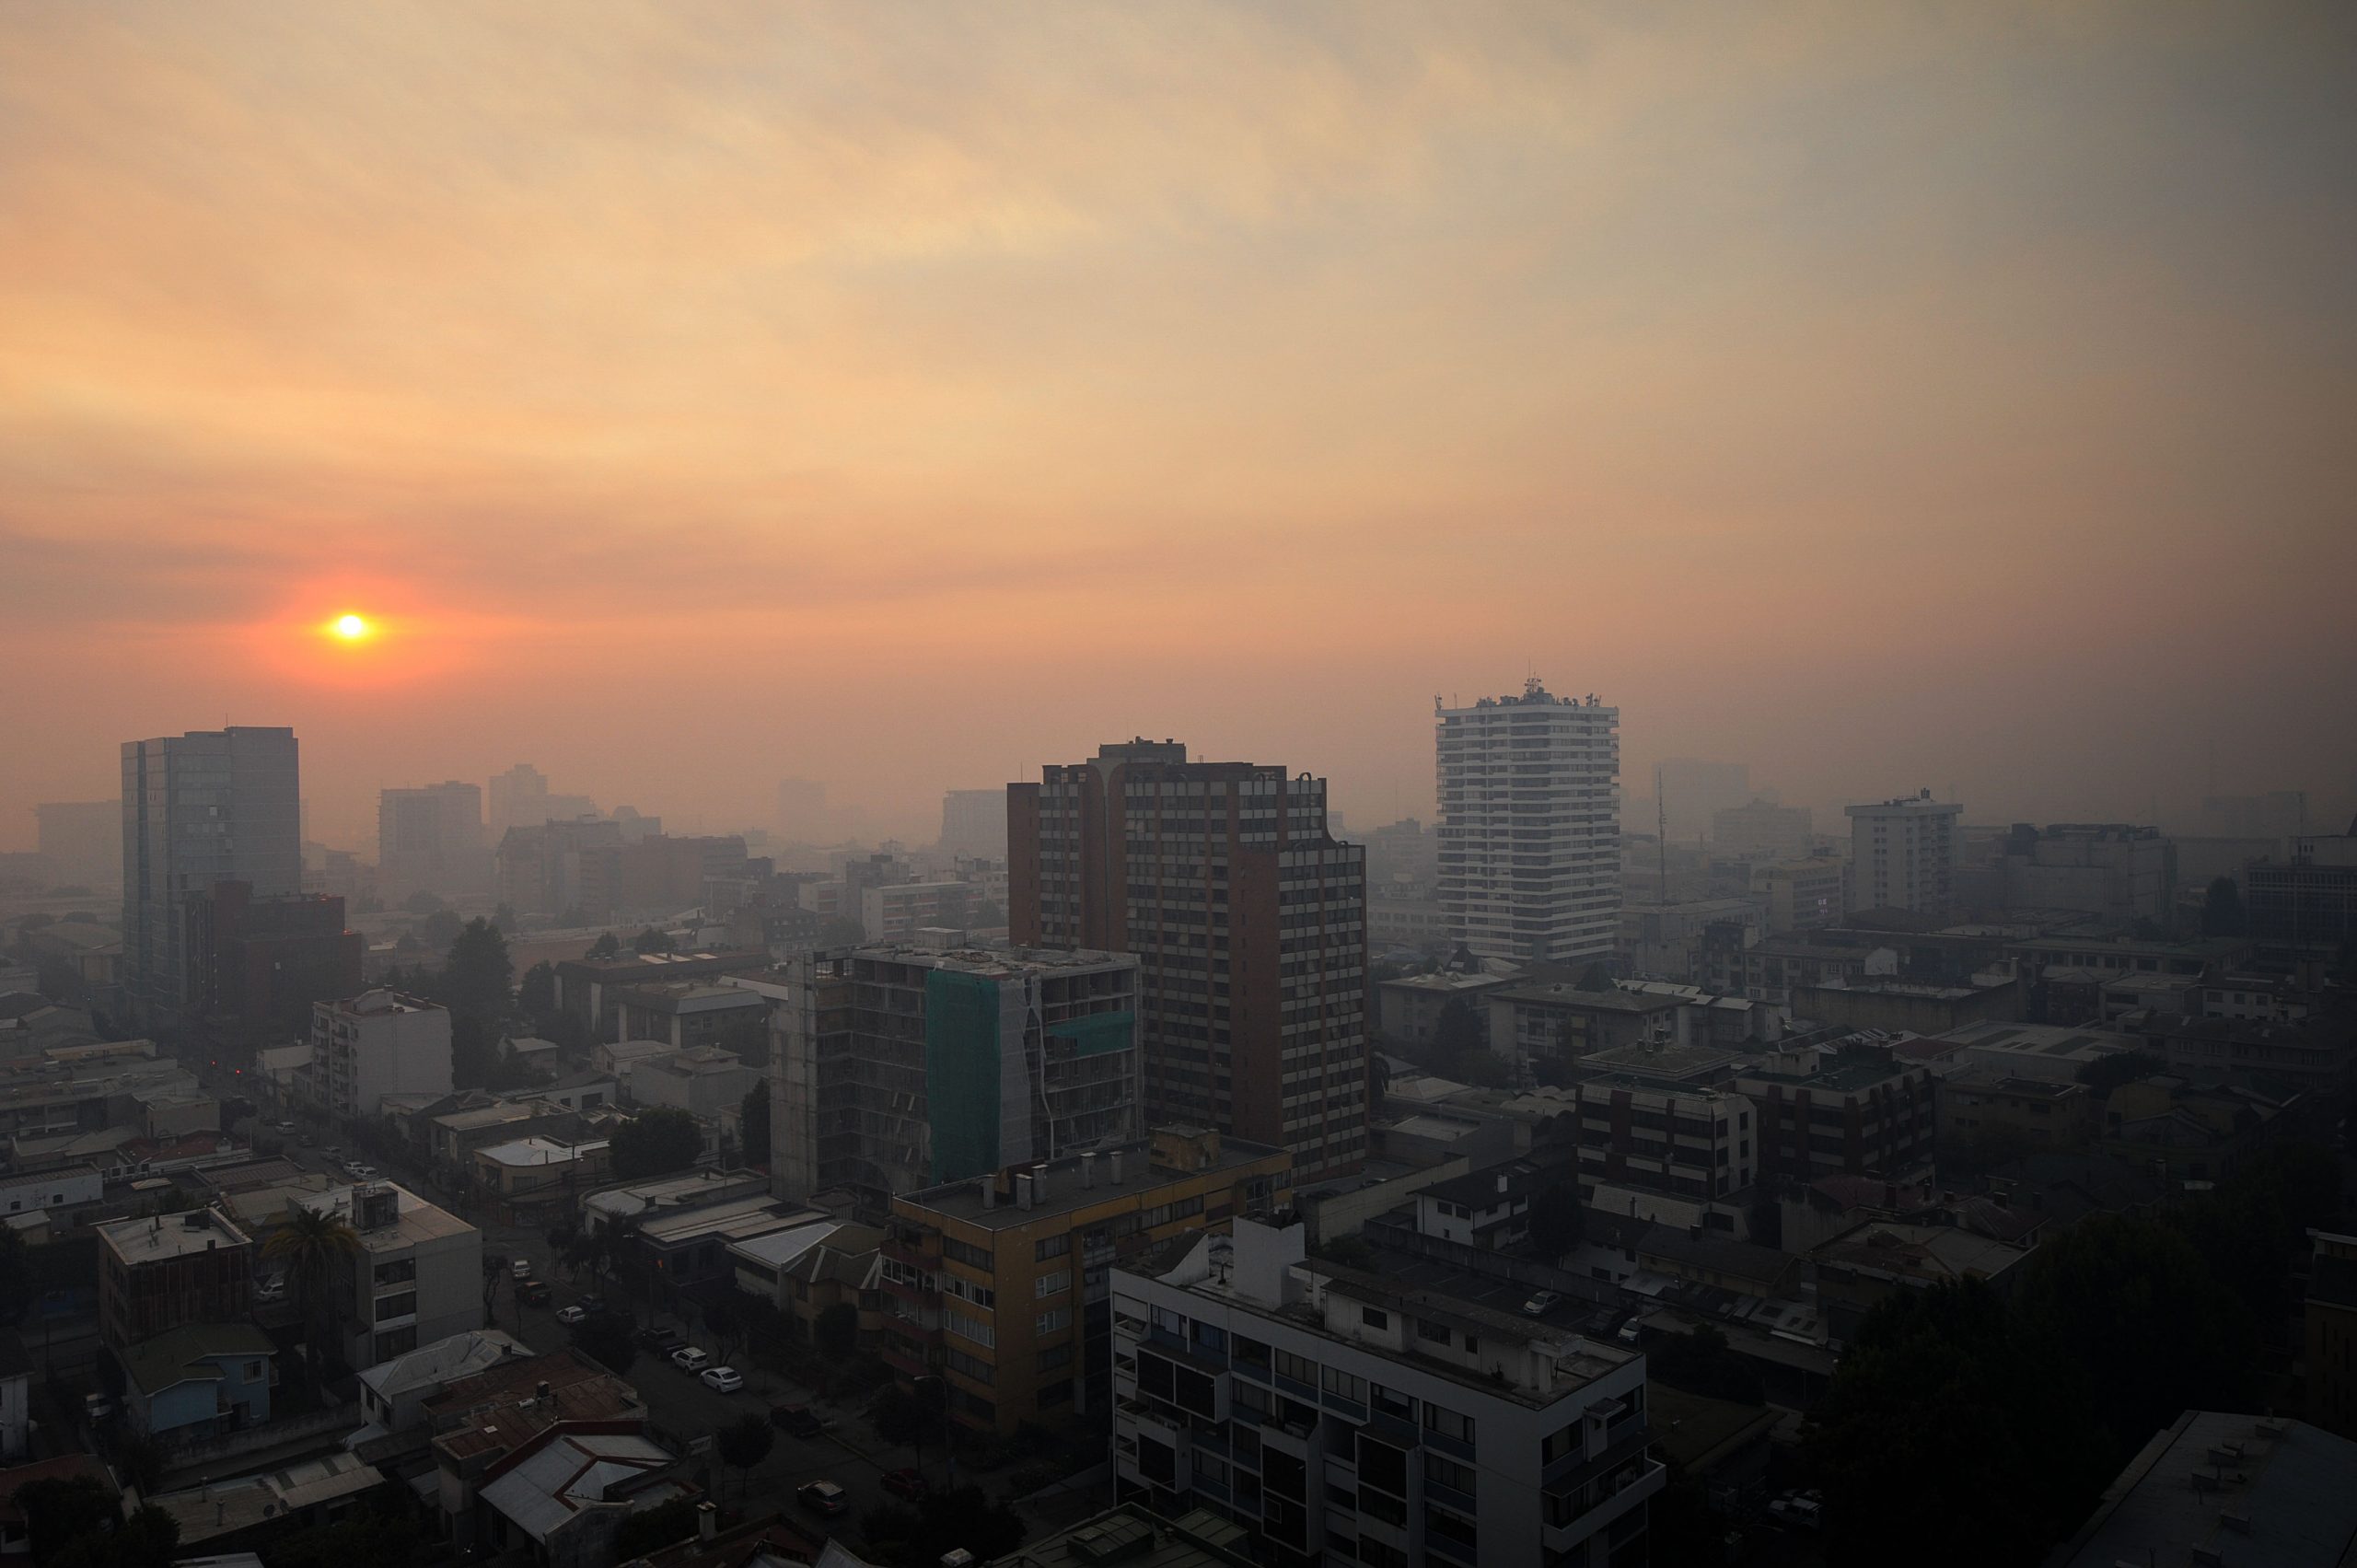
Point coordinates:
[[1054, 1246], [401, 1306], [1051, 1285], [1428, 1330], [1300, 1368], [1448, 1422], [397, 1273], [253, 1372], [1054, 1321], [958, 1251], [1374, 1318], [967, 1289], [1447, 1473], [1344, 1384], [1381, 1465], [1210, 1337], [973, 1329], [1390, 1401], [1252, 1352], [972, 1367], [1055, 1357]]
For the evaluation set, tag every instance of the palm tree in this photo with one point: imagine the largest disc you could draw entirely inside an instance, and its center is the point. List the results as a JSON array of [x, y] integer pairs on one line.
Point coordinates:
[[312, 1242]]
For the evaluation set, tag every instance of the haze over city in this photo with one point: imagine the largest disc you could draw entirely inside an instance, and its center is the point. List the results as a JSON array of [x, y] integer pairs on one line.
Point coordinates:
[[890, 397]]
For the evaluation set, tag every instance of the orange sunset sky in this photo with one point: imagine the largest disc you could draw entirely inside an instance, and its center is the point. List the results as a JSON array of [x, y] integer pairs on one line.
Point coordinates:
[[906, 396]]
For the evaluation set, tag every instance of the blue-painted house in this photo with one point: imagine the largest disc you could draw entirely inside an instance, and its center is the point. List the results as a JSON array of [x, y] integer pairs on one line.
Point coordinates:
[[200, 1379]]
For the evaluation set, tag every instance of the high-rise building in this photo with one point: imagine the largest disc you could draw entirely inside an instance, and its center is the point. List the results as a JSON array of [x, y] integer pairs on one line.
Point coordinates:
[[1249, 924], [1903, 855], [256, 966], [430, 839], [973, 824], [520, 799], [1693, 793], [81, 841], [1530, 826], [1343, 1415], [897, 1069], [211, 806], [375, 1044]]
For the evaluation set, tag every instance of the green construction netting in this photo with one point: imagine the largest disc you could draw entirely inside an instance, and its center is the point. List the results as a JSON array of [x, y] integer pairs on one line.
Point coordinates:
[[1097, 1033], [961, 1073]]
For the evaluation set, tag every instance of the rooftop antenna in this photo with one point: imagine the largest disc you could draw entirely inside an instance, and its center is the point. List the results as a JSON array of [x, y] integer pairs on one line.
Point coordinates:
[[1661, 832]]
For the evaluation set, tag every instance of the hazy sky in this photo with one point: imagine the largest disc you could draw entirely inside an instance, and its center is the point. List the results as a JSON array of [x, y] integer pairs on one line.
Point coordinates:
[[906, 396]]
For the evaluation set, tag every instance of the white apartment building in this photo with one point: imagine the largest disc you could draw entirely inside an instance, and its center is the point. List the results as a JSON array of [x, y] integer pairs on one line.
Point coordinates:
[[1530, 826], [1342, 1417], [416, 1278], [375, 1044], [1903, 855]]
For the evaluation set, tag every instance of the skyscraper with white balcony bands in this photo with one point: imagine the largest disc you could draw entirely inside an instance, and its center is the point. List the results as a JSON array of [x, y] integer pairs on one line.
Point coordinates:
[[1530, 826], [211, 806]]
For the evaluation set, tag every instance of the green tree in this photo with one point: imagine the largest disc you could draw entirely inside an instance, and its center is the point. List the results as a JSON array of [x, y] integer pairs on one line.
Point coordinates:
[[1457, 1030], [650, 1529], [607, 1338], [147, 1538], [474, 1052], [651, 941], [753, 1125], [1940, 1406], [1557, 1220], [837, 1332], [440, 929], [536, 992], [59, 1509], [2221, 909], [139, 1458], [2106, 1073], [607, 947], [314, 1245], [478, 979], [17, 1285], [2132, 1302], [743, 1444], [657, 1143], [723, 1322], [1702, 1363]]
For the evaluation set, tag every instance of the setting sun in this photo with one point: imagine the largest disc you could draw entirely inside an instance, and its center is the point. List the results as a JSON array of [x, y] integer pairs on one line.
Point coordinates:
[[351, 626]]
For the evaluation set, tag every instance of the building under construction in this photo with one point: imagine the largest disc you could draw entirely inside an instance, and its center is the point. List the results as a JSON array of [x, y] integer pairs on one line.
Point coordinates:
[[900, 1068]]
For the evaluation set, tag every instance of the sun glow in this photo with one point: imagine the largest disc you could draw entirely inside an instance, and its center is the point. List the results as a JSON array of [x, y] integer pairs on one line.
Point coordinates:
[[351, 628]]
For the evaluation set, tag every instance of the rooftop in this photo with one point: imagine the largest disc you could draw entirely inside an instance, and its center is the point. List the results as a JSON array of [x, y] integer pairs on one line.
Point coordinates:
[[735, 1219], [992, 964], [1657, 1062], [1926, 1253], [2037, 1040], [416, 1220], [570, 1470], [1133, 1536], [500, 1408], [528, 1153], [2283, 1508], [186, 1353], [378, 1003], [170, 1235], [686, 1192], [221, 1507], [1067, 1192], [1568, 993], [460, 1355]]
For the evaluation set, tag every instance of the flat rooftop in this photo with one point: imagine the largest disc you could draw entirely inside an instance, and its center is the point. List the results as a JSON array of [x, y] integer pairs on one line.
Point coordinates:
[[1568, 994], [2293, 1513], [2036, 1040], [962, 1200], [1666, 1062], [991, 963], [420, 1221], [737, 1219], [530, 1153], [170, 1235]]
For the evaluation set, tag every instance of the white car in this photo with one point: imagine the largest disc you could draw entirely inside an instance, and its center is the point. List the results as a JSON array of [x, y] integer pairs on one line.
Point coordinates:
[[364, 1173], [271, 1288], [722, 1379], [687, 1358], [1540, 1305], [571, 1315], [521, 1269]]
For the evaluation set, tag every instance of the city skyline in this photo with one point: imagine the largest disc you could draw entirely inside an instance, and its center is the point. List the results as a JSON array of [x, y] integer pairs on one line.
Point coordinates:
[[791, 378]]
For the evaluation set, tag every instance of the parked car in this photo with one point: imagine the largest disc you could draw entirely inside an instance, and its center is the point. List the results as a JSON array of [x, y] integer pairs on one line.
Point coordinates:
[[1542, 1302], [662, 1341], [493, 1261], [823, 1497], [270, 1287], [593, 1304], [688, 1358], [906, 1483], [306, 1140], [795, 1420], [571, 1315], [723, 1379], [363, 1172], [1794, 1508], [521, 1268], [333, 1152], [532, 1292]]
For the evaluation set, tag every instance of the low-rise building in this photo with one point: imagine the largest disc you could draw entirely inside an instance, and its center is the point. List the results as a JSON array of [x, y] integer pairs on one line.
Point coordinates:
[[216, 1518], [2328, 1332], [1860, 1116], [1336, 1413], [1488, 1208], [897, 912], [394, 1393], [168, 1270], [1800, 895], [592, 989], [1896, 1005], [454, 1136], [416, 1277], [998, 1283], [2290, 1481], [1636, 1128], [1407, 1009], [698, 1015], [1984, 1112], [1865, 1266], [533, 1179], [805, 1269], [2317, 1055], [1558, 1022], [2194, 1133], [705, 1081], [198, 1380]]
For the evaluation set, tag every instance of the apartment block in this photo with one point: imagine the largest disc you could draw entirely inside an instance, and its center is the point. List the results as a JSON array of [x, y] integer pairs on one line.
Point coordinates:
[[1853, 1118], [1250, 924], [378, 1043], [1681, 1139], [897, 912], [1530, 826], [211, 806], [431, 840], [1903, 855], [1762, 827], [897, 1068], [1343, 1416], [157, 1272], [257, 965], [1800, 895], [416, 1278], [1001, 1285]]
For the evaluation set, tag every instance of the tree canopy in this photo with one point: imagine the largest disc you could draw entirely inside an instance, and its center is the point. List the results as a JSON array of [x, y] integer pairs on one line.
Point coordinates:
[[607, 946], [2221, 909], [536, 992], [657, 1143], [1557, 1220], [608, 1338], [651, 941], [478, 978]]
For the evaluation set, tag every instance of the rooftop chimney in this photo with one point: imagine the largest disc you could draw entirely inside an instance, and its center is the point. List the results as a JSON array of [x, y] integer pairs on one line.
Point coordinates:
[[1113, 1167], [1088, 1170], [989, 1191], [541, 1390], [1023, 1189], [707, 1521], [1039, 1183]]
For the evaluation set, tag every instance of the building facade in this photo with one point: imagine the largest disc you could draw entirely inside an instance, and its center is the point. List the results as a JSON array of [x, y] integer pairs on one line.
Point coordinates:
[[1903, 855], [1001, 1285], [211, 806], [257, 966], [1530, 826], [973, 822], [1340, 1416], [1248, 920], [375, 1044], [897, 1069], [431, 840], [170, 1269]]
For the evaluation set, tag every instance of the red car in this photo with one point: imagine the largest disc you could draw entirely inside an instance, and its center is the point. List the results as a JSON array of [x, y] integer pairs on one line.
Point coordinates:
[[905, 1483]]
